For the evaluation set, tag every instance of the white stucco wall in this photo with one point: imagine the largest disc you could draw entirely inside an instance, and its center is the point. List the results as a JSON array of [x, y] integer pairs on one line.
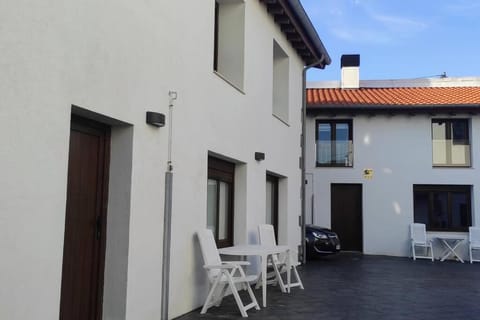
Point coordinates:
[[399, 150], [119, 59]]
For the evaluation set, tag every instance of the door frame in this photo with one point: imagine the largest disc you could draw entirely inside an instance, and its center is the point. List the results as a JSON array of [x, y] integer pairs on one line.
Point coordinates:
[[90, 126]]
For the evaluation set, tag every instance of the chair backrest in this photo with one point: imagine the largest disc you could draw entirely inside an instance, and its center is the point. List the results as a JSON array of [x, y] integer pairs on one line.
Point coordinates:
[[266, 234], [209, 250], [418, 233], [474, 234]]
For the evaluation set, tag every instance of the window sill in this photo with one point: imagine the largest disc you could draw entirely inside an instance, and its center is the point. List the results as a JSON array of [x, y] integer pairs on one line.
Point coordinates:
[[452, 166], [332, 166], [443, 231], [281, 120], [228, 81]]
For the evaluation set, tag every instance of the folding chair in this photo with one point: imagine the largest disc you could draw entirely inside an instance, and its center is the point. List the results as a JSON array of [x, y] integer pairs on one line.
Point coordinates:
[[418, 237], [473, 242], [277, 262], [222, 276]]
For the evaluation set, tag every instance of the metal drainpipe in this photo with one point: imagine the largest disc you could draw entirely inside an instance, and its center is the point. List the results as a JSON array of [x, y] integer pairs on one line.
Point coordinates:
[[304, 143], [167, 215]]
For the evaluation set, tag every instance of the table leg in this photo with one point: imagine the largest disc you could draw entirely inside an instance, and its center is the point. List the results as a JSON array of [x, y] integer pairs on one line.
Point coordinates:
[[264, 280], [450, 251], [455, 245], [445, 253], [289, 268]]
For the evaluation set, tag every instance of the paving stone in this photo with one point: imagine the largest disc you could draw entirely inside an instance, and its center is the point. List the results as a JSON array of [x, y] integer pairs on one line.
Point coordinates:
[[363, 287]]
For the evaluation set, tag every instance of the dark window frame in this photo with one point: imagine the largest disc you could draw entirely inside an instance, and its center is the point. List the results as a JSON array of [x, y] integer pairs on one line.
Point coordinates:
[[333, 130], [449, 189], [274, 180], [215, 39], [449, 136], [224, 171]]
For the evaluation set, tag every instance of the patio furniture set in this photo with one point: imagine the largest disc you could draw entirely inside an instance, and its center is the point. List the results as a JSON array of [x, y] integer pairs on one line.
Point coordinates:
[[450, 243], [224, 275]]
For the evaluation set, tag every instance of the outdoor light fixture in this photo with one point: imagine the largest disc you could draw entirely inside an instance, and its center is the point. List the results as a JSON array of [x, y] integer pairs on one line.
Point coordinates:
[[259, 156], [156, 119]]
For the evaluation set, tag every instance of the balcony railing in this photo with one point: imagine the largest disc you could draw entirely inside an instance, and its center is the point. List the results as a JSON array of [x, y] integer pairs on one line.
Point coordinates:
[[450, 154], [337, 153]]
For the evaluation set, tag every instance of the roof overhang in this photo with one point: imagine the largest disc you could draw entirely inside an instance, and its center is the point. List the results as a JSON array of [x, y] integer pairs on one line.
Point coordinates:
[[371, 110], [290, 16]]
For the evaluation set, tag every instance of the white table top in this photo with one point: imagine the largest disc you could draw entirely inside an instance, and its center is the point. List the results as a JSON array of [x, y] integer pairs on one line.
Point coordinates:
[[448, 237], [252, 250]]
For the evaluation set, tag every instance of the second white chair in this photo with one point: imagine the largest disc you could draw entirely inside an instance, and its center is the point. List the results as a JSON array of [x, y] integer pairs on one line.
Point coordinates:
[[473, 242], [277, 262], [418, 238]]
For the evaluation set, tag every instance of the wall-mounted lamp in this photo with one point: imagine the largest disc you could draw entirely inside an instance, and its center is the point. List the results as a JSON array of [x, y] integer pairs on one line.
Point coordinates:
[[259, 156], [156, 119]]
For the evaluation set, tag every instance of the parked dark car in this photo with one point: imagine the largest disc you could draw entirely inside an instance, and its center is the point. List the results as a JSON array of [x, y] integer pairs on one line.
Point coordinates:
[[320, 241]]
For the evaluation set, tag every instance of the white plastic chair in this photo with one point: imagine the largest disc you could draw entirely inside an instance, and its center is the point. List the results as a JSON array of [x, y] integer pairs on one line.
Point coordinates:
[[474, 241], [277, 262], [222, 275], [418, 237]]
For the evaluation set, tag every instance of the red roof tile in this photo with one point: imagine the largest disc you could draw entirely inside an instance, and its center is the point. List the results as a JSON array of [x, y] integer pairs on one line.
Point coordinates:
[[442, 96]]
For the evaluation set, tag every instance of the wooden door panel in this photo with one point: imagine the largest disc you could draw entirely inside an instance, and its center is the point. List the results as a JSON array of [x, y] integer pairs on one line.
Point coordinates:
[[346, 214], [84, 241]]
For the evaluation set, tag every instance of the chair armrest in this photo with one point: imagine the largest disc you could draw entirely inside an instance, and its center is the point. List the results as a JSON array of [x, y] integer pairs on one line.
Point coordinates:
[[219, 266], [238, 263], [227, 265]]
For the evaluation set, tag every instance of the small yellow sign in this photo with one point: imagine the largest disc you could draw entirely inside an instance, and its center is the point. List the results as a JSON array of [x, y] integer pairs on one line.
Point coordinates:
[[368, 173]]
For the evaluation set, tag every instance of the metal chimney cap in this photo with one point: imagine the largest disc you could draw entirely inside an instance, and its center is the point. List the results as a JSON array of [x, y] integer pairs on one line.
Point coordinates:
[[350, 60]]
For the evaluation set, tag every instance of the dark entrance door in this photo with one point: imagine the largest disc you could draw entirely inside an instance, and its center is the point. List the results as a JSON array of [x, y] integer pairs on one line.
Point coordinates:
[[85, 221], [346, 213]]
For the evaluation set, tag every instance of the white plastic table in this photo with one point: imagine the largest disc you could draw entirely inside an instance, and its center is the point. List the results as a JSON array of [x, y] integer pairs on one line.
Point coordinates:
[[263, 252], [450, 243]]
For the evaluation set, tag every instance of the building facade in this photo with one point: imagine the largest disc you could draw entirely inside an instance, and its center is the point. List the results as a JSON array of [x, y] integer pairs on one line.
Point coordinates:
[[387, 153], [83, 175]]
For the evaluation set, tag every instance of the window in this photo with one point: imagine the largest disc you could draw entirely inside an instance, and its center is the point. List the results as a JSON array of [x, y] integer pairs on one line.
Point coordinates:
[[220, 200], [334, 143], [271, 203], [280, 83], [229, 34], [450, 142], [442, 207]]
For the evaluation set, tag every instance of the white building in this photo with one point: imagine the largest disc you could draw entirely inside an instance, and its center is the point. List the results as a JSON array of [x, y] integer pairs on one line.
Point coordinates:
[[383, 154], [83, 174]]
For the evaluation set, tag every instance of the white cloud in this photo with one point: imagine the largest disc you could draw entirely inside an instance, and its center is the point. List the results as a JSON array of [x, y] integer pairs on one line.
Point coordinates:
[[363, 21], [463, 8], [359, 35], [398, 22]]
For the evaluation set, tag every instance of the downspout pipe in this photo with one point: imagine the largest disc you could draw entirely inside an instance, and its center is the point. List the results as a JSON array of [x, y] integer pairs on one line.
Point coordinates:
[[167, 215], [304, 146]]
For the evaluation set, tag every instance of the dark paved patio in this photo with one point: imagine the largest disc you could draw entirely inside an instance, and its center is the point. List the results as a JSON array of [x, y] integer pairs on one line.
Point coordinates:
[[358, 287]]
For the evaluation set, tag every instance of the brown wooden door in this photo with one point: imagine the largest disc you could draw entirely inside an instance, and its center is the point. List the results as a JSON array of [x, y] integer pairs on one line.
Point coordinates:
[[346, 202], [84, 243]]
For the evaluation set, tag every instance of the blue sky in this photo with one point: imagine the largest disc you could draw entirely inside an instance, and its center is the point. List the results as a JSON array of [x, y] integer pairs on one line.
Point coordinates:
[[399, 39]]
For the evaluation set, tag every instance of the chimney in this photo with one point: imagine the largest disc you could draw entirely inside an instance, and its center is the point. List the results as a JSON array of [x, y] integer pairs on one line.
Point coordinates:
[[350, 71]]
